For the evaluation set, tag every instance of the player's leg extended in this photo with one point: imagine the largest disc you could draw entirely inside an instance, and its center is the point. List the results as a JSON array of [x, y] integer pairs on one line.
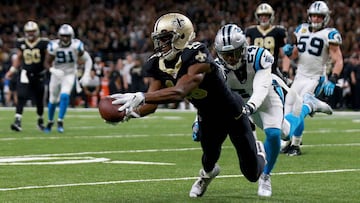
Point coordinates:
[[212, 138], [66, 88], [22, 92], [54, 90], [250, 152], [38, 91], [272, 147]]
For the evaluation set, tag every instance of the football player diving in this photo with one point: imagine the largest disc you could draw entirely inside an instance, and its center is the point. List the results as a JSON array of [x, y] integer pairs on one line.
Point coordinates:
[[182, 69]]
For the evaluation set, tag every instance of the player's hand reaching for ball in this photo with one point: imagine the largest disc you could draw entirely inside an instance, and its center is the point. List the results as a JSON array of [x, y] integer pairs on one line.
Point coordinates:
[[128, 101]]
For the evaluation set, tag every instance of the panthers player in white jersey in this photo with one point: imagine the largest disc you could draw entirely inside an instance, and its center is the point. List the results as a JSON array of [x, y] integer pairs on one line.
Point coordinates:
[[62, 59], [316, 45], [247, 70]]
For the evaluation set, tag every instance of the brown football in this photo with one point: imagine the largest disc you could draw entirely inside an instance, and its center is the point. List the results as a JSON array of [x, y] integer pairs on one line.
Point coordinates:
[[109, 111]]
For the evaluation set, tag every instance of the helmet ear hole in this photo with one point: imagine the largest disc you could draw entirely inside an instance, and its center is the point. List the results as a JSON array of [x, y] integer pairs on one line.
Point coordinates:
[[182, 36]]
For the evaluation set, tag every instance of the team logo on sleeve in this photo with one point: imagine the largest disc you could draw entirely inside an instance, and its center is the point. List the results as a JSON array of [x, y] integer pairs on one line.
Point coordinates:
[[269, 59]]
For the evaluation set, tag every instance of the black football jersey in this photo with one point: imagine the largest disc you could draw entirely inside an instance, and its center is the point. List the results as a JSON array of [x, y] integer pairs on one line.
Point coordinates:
[[33, 54], [212, 97], [271, 39]]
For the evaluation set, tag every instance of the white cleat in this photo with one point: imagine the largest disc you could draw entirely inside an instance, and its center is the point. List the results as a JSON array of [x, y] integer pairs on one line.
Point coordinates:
[[199, 187], [316, 105], [264, 186]]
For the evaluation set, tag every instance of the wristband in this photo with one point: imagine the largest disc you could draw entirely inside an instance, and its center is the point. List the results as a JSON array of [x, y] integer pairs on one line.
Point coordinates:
[[334, 78]]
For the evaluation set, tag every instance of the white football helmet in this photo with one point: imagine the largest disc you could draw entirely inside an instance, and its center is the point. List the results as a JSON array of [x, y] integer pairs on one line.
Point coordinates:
[[320, 8], [264, 9], [230, 45], [31, 30], [66, 33], [172, 33]]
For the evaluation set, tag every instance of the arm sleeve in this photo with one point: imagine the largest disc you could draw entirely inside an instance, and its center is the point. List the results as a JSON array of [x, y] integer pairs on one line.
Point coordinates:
[[88, 63], [261, 85]]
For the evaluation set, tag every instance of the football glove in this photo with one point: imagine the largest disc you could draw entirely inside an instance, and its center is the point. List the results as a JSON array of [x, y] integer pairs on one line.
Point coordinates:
[[84, 80], [288, 49], [57, 72], [286, 79], [329, 86], [196, 133], [128, 115], [248, 109], [128, 100]]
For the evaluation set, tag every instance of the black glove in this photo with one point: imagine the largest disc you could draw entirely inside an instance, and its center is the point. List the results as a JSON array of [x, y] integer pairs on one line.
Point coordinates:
[[286, 79]]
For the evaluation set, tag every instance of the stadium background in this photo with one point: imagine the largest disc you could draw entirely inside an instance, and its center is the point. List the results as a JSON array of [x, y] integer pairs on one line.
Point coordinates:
[[112, 29]]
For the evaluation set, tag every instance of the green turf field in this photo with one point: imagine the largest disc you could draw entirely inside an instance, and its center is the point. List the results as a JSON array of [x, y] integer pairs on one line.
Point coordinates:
[[154, 159]]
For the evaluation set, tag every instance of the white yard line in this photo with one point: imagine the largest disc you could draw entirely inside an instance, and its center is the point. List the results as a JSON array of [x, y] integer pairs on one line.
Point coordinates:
[[168, 179]]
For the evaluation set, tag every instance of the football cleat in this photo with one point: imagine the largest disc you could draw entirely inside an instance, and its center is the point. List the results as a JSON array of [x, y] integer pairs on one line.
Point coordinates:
[[48, 127], [294, 151], [40, 124], [60, 126], [199, 187], [316, 105], [285, 146], [16, 126], [264, 185]]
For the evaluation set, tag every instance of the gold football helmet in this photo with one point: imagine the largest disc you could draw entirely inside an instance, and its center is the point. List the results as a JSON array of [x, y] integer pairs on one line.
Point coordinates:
[[31, 30], [172, 33], [265, 9]]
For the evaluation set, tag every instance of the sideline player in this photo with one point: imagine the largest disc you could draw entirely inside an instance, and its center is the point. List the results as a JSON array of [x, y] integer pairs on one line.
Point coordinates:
[[30, 83], [271, 37], [316, 45], [62, 59]]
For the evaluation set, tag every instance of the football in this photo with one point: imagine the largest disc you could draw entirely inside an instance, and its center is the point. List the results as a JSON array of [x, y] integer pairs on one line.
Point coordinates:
[[109, 112]]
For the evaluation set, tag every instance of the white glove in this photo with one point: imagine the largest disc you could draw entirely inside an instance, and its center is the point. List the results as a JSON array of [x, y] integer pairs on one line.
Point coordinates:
[[128, 115], [84, 80], [129, 101], [57, 72]]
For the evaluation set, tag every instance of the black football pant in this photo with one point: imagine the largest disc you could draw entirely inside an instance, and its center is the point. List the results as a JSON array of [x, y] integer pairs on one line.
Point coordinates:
[[214, 132], [33, 90]]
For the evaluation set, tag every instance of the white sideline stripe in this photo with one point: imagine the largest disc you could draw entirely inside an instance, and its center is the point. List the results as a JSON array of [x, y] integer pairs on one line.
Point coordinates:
[[168, 179], [157, 150]]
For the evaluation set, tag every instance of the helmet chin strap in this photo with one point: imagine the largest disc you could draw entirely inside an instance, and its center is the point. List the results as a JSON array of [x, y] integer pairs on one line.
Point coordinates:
[[265, 24], [317, 26]]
